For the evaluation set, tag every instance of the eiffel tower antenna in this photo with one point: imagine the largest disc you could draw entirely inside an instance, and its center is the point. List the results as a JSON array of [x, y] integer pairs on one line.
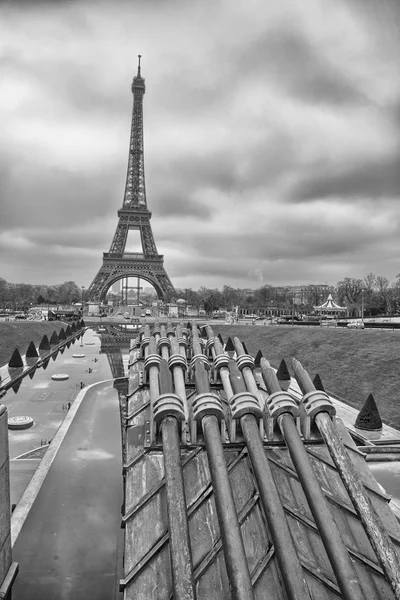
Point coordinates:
[[134, 215]]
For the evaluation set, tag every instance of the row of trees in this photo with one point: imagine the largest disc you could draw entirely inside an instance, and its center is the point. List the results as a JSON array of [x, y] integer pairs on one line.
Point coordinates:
[[20, 296], [374, 292]]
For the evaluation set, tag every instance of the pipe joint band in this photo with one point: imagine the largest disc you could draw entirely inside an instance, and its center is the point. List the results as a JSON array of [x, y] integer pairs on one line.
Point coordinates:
[[164, 341], [207, 404], [182, 341], [281, 402], [316, 401], [222, 360], [201, 357], [210, 343], [152, 360], [145, 342], [168, 405], [177, 360], [245, 360], [245, 403]]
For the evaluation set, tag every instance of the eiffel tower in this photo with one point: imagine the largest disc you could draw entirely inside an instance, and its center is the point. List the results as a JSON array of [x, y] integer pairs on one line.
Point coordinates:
[[134, 215]]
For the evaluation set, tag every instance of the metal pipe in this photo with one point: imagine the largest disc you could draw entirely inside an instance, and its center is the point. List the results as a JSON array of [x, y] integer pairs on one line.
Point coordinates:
[[157, 332], [210, 336], [164, 349], [289, 562], [179, 541], [235, 556], [178, 373], [375, 529], [181, 557], [335, 547], [247, 373], [370, 519], [197, 347], [224, 371], [153, 372], [179, 335]]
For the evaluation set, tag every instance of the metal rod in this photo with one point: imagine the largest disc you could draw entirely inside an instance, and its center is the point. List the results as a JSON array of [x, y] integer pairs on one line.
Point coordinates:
[[210, 336], [153, 372], [235, 556], [179, 541], [289, 562], [247, 373], [375, 529], [370, 519], [197, 347], [178, 373], [335, 547], [333, 542], [179, 335], [181, 557]]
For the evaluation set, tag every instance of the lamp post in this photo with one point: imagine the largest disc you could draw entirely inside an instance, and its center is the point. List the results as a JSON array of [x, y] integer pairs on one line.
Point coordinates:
[[320, 310], [293, 310], [362, 306], [82, 288]]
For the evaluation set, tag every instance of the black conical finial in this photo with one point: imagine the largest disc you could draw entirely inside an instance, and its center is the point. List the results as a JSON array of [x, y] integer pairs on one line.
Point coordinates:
[[138, 69]]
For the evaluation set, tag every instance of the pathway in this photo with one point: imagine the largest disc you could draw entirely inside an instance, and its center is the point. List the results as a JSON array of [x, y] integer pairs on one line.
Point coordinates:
[[68, 546]]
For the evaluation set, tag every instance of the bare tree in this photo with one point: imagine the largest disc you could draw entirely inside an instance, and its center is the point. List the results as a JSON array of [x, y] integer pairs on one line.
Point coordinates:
[[350, 289]]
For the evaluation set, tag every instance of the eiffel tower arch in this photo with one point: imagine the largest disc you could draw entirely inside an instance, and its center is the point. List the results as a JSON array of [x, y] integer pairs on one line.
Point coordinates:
[[134, 215]]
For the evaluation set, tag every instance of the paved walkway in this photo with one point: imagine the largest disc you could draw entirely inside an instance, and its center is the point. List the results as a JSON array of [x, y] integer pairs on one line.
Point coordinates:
[[68, 547], [46, 402]]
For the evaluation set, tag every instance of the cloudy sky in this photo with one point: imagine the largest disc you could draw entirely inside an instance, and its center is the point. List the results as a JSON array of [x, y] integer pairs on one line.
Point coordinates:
[[272, 137]]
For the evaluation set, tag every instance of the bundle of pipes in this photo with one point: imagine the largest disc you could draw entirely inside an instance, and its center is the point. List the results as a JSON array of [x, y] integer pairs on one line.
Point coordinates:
[[166, 351]]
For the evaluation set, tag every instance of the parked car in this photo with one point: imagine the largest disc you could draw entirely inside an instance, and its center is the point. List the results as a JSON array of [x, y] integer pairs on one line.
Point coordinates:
[[355, 325]]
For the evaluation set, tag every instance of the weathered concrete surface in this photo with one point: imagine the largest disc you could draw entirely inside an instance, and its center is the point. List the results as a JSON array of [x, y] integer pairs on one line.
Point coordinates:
[[68, 546]]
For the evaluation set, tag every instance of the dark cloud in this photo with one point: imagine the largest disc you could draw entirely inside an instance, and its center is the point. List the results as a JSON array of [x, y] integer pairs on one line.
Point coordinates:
[[172, 205], [55, 198], [375, 180], [271, 138], [285, 57]]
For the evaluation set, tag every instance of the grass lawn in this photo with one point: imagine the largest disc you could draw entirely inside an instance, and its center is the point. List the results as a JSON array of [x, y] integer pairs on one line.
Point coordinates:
[[351, 364], [18, 334]]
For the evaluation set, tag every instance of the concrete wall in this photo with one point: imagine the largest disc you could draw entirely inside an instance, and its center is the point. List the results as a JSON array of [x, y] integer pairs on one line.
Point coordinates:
[[5, 512]]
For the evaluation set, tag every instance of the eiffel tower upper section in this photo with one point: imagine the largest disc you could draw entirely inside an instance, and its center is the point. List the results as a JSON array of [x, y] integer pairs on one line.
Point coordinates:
[[134, 214]]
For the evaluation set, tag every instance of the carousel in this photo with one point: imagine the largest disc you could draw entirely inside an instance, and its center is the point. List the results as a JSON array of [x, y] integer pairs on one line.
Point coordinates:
[[331, 309]]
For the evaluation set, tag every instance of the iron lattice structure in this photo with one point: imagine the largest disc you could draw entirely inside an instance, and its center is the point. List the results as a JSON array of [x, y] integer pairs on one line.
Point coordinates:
[[134, 215]]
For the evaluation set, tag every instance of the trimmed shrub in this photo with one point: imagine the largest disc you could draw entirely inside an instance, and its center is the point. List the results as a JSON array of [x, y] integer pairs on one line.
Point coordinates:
[[54, 339], [258, 358], [44, 344], [368, 417], [16, 360], [318, 383], [283, 371], [229, 347], [32, 352]]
